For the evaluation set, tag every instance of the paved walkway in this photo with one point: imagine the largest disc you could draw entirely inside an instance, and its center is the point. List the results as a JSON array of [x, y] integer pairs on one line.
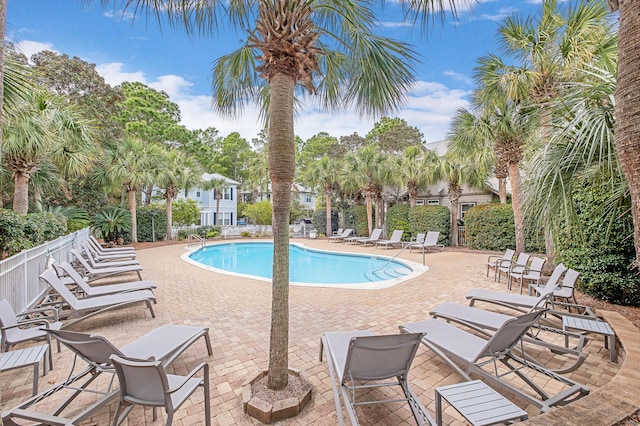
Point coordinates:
[[237, 310]]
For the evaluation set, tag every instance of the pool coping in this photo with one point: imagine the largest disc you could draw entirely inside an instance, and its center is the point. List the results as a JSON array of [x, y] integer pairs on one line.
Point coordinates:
[[417, 268]]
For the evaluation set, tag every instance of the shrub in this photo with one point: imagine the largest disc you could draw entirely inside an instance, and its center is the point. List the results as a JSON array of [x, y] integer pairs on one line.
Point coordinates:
[[602, 251], [356, 218], [212, 234], [319, 220], [152, 218], [185, 212], [245, 234], [490, 227], [260, 213], [112, 223], [398, 218], [21, 232], [431, 218]]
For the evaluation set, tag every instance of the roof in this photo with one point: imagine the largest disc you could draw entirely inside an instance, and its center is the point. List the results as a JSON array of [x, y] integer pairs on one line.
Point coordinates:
[[207, 177]]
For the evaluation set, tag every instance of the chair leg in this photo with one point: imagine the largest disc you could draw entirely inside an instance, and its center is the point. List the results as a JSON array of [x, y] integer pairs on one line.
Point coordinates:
[[169, 418], [207, 399]]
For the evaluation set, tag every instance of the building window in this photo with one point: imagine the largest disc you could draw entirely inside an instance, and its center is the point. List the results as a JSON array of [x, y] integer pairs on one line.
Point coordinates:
[[226, 194], [197, 194], [308, 198], [464, 207], [433, 202], [419, 202], [224, 219]]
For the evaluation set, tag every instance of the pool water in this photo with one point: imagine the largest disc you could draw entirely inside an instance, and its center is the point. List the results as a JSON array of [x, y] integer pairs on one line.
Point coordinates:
[[307, 266]]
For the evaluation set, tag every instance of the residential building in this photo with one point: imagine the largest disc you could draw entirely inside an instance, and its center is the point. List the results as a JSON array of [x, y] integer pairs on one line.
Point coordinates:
[[207, 203]]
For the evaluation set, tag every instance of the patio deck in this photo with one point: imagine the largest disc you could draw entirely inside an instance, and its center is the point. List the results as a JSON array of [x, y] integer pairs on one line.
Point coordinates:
[[237, 311]]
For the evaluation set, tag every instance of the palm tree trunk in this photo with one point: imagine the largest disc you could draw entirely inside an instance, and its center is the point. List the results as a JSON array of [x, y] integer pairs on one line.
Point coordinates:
[[627, 109], [21, 193], [169, 210], [329, 224], [369, 213], [454, 194], [217, 208], [131, 194], [502, 190], [518, 215], [281, 171]]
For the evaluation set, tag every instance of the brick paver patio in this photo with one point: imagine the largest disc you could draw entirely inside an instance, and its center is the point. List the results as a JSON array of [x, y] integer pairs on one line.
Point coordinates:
[[237, 311]]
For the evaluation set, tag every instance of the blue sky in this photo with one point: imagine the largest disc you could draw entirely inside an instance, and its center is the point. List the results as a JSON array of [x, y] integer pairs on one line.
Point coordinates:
[[137, 50]]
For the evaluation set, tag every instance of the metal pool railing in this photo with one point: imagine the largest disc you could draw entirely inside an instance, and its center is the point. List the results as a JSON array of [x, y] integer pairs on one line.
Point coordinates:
[[20, 274]]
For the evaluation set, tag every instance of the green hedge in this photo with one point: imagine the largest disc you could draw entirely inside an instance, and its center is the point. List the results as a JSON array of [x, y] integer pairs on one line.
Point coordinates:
[[319, 220], [602, 251], [490, 227], [398, 218], [423, 219], [145, 224], [356, 218], [21, 232]]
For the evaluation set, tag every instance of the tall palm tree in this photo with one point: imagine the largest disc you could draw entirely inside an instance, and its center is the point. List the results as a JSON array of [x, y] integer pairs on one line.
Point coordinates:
[[414, 170], [458, 172], [132, 164], [179, 171], [42, 130], [365, 169], [218, 185], [322, 173]]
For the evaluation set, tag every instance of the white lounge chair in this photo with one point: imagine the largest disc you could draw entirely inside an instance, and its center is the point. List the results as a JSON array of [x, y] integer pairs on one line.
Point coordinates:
[[92, 274], [342, 236], [373, 237], [92, 291], [394, 241], [96, 244], [103, 257], [494, 260], [430, 242], [90, 256]]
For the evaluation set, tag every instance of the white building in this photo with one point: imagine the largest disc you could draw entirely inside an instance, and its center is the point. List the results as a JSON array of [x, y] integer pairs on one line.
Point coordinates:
[[206, 199], [305, 196]]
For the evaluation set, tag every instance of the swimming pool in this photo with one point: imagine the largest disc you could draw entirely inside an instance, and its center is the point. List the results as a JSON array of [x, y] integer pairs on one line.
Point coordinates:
[[308, 266]]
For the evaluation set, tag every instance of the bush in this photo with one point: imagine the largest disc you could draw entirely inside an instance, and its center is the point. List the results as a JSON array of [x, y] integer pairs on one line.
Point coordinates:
[[260, 213], [602, 251], [185, 212], [205, 230], [112, 223], [21, 232], [398, 218], [356, 218], [319, 220], [490, 227], [152, 218], [431, 218]]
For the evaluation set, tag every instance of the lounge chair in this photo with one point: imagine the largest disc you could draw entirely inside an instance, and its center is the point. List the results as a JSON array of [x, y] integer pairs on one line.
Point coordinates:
[[487, 322], [104, 257], [494, 261], [509, 266], [469, 354], [92, 274], [82, 309], [372, 238], [164, 344], [394, 241], [65, 269], [342, 236], [96, 244], [98, 263], [27, 326], [147, 383], [418, 240], [430, 242], [338, 232], [533, 272], [362, 360]]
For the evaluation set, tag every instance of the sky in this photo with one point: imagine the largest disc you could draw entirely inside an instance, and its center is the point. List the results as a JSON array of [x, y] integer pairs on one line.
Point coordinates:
[[125, 48]]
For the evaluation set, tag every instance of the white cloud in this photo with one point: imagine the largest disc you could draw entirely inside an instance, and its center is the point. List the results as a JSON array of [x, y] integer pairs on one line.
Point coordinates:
[[458, 76], [29, 48], [113, 74], [174, 85]]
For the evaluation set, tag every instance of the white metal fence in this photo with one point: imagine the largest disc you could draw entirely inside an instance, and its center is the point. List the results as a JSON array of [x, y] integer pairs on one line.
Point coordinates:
[[19, 274]]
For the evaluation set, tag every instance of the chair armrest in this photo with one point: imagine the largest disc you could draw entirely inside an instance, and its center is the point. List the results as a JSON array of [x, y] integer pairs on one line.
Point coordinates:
[[40, 310], [42, 322], [191, 374]]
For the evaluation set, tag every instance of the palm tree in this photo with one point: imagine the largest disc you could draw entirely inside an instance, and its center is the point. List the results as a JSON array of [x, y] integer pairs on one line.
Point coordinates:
[[365, 169], [458, 171], [43, 131], [132, 164], [414, 170], [322, 173], [179, 171], [218, 184]]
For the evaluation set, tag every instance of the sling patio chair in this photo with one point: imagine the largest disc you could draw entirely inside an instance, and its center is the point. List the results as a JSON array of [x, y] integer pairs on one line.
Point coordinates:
[[164, 344], [90, 256], [394, 241], [360, 360], [430, 242], [80, 309], [418, 240], [495, 361], [515, 266], [26, 326], [92, 274], [542, 334], [566, 287], [341, 236], [107, 257], [494, 260], [533, 272], [96, 244], [373, 237], [66, 270], [146, 383]]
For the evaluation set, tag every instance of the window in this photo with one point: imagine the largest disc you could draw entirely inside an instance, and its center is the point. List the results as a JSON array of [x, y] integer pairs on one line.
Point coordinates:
[[464, 207], [433, 202], [197, 194], [419, 202], [308, 198], [224, 219]]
